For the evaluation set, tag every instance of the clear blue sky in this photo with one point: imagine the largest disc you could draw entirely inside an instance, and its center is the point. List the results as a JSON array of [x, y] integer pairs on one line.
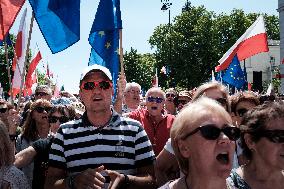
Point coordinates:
[[139, 20]]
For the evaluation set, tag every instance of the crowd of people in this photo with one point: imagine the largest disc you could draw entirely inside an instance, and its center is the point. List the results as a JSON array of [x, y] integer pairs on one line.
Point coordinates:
[[203, 138]]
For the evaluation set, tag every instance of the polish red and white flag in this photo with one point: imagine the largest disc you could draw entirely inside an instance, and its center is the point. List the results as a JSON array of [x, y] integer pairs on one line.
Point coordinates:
[[20, 51], [252, 42]]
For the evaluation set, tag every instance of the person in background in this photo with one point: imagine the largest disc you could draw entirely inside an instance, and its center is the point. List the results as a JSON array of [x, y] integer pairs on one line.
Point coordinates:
[[182, 99], [240, 104], [170, 106], [131, 97], [10, 176], [39, 150], [155, 120], [36, 126], [43, 92], [104, 148], [203, 139], [262, 140]]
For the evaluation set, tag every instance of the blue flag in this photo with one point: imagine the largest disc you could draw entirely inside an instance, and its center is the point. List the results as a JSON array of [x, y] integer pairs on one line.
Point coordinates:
[[7, 40], [104, 37], [234, 74], [59, 22]]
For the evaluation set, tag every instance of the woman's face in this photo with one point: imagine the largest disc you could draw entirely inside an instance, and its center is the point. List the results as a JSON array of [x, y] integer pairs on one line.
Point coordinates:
[[212, 158], [217, 95], [268, 152], [40, 114], [55, 120]]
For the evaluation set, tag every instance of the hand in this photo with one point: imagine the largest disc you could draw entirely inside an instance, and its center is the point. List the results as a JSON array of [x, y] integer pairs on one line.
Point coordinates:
[[116, 179], [121, 84], [90, 178], [13, 121]]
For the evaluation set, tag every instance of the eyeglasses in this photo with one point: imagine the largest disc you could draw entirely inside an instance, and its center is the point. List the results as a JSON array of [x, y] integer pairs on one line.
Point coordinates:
[[40, 109], [241, 111], [170, 95], [90, 85], [3, 110], [275, 136], [54, 119], [222, 101], [183, 102], [41, 94], [212, 132], [155, 99]]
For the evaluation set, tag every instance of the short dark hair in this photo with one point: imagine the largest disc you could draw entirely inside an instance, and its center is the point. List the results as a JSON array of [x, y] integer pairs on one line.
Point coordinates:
[[241, 97], [255, 121]]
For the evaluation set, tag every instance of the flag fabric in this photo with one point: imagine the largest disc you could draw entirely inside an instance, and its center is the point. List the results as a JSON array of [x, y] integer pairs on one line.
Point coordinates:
[[29, 90], [56, 92], [59, 22], [249, 86], [7, 40], [234, 74], [32, 67], [8, 12], [104, 37], [252, 42], [20, 53]]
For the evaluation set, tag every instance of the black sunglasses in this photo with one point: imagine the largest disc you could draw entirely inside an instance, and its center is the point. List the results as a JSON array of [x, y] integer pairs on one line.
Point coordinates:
[[275, 136], [155, 99], [41, 94], [170, 95], [241, 112], [212, 132], [54, 119], [40, 109], [90, 85], [3, 110]]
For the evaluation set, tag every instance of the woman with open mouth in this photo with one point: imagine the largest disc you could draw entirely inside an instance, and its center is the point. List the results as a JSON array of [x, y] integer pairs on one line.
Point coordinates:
[[203, 139], [262, 140]]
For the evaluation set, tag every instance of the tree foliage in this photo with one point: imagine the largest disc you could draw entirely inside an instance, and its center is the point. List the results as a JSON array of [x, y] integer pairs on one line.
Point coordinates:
[[139, 68], [197, 39]]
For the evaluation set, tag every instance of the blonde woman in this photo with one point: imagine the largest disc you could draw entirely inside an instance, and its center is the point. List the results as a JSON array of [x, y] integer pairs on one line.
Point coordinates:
[[203, 139]]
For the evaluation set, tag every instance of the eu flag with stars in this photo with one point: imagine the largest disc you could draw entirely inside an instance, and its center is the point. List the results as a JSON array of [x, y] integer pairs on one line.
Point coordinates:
[[104, 37], [234, 74]]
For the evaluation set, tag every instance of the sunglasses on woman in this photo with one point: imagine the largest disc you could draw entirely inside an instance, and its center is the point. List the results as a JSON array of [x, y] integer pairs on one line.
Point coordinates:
[[275, 136], [155, 99], [170, 95], [41, 109], [90, 85], [54, 119], [212, 132]]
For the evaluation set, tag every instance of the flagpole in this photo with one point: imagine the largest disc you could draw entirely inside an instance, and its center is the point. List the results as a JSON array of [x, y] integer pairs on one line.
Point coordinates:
[[121, 52], [26, 59]]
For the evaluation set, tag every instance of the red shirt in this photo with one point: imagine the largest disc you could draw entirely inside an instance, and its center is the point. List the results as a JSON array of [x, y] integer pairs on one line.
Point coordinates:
[[158, 133]]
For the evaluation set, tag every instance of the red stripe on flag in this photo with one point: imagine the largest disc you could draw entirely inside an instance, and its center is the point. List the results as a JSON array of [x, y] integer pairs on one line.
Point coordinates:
[[32, 67], [246, 49], [8, 13]]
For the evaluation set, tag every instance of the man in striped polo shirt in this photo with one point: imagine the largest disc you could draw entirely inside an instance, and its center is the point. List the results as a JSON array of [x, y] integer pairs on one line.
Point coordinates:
[[102, 148]]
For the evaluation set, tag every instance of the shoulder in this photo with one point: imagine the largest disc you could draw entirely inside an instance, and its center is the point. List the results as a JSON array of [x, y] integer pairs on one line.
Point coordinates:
[[16, 178]]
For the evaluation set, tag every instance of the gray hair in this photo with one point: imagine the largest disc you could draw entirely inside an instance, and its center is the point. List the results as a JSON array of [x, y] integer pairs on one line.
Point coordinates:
[[155, 89], [131, 85]]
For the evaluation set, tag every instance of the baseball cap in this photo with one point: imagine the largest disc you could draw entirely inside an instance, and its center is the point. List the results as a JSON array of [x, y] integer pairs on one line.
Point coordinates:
[[96, 67]]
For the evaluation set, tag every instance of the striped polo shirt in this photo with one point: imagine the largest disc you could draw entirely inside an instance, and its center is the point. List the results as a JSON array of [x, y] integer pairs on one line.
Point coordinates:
[[121, 145]]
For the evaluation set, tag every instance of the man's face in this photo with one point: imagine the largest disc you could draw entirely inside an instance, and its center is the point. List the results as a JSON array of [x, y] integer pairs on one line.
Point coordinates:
[[42, 94], [155, 103], [3, 112], [132, 96], [96, 92]]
